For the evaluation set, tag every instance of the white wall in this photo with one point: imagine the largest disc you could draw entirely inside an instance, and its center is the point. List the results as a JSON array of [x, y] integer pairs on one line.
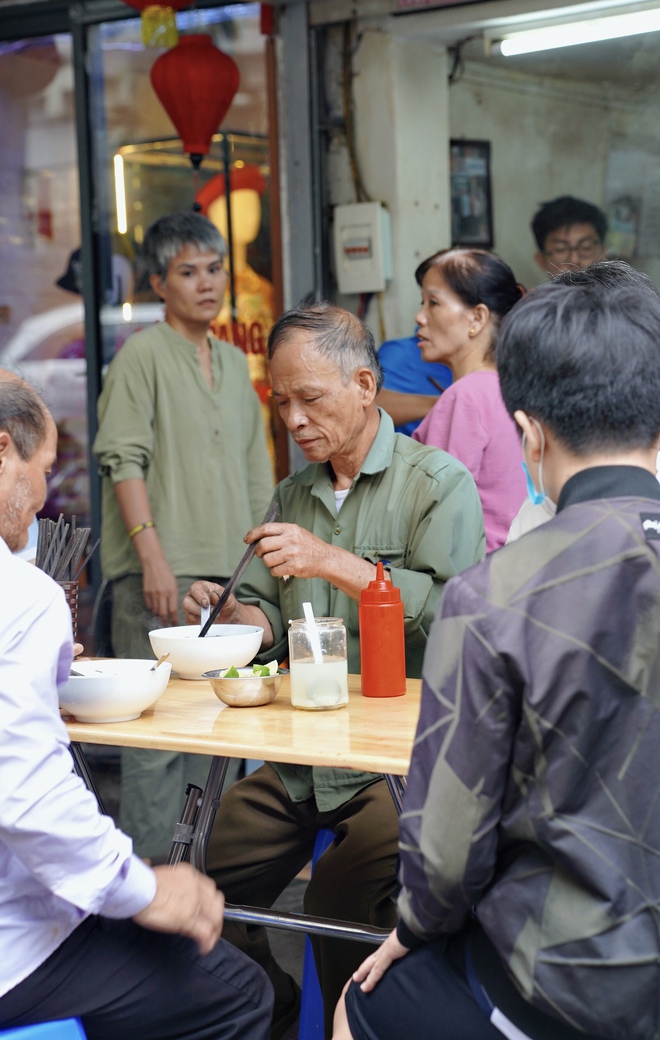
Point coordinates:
[[398, 88], [549, 137]]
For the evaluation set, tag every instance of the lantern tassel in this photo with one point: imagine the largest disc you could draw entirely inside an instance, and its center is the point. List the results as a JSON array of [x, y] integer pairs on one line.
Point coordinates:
[[159, 26]]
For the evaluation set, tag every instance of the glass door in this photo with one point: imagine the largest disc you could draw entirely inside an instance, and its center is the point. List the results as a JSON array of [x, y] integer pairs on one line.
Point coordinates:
[[142, 173], [41, 306]]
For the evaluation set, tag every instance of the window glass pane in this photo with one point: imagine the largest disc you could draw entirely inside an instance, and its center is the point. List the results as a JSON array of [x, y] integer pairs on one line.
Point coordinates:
[[143, 173], [142, 170], [41, 309]]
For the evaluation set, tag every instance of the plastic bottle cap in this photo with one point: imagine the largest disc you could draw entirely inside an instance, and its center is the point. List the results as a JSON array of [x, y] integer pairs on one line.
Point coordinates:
[[381, 590]]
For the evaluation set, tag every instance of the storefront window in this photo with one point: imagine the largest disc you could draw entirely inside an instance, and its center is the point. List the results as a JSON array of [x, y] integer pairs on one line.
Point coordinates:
[[143, 173], [41, 309]]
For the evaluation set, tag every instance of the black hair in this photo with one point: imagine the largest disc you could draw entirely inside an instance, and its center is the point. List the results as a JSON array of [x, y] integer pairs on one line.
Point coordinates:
[[563, 212], [610, 273], [335, 333], [23, 415], [585, 360], [476, 276]]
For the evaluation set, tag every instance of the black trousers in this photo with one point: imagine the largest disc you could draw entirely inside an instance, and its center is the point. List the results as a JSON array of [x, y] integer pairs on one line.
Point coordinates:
[[440, 991], [425, 994], [127, 983]]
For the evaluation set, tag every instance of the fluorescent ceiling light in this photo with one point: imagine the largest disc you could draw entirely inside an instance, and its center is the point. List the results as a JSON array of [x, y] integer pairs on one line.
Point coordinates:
[[570, 34]]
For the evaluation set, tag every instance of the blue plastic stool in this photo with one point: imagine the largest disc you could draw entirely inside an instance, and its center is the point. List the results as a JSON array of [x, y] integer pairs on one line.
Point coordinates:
[[311, 1004], [66, 1029]]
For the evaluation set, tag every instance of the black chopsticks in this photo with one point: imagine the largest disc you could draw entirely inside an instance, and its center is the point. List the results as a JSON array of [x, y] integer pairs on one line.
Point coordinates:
[[270, 517], [60, 548]]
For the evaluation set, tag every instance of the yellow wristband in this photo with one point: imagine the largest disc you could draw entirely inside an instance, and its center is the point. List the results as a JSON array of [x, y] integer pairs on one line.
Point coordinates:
[[140, 527]]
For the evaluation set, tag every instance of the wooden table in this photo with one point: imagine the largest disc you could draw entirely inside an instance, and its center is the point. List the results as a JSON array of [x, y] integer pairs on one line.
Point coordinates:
[[373, 734]]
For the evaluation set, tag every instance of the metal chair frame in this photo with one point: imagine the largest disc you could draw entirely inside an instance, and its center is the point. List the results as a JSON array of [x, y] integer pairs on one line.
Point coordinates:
[[190, 841]]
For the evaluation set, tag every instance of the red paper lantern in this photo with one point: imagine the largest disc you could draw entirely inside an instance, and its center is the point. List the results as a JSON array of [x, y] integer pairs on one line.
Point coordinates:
[[195, 83], [158, 21]]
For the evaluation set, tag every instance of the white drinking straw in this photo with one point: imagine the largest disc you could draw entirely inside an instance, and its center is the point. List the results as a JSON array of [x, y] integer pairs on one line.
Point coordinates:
[[313, 632]]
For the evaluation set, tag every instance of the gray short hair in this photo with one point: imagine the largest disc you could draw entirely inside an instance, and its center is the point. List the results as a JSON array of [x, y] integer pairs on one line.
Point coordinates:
[[335, 333], [23, 415], [167, 236]]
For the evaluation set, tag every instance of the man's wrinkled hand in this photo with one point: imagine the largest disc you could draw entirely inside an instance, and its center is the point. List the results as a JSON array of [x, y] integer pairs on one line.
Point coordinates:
[[186, 903], [206, 594], [289, 550]]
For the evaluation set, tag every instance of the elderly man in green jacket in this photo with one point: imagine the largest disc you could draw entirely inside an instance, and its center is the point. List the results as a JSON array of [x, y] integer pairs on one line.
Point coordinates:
[[368, 494]]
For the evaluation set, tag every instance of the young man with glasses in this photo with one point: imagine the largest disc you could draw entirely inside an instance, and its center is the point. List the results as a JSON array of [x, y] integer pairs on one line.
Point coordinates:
[[569, 233]]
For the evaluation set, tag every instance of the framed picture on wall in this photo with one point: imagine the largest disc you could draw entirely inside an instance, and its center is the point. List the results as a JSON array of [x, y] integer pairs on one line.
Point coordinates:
[[471, 202]]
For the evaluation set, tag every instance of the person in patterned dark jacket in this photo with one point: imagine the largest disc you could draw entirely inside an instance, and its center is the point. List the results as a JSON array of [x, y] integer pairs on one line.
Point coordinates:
[[530, 838]]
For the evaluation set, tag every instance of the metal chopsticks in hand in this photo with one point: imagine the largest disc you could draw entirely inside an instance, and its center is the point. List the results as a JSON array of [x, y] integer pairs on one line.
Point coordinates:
[[271, 515]]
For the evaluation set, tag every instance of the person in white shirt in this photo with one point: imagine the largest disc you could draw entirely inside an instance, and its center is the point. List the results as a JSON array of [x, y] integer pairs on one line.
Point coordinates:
[[79, 913]]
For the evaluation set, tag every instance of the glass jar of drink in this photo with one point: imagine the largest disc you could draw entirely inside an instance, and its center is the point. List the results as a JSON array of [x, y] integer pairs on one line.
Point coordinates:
[[319, 669]]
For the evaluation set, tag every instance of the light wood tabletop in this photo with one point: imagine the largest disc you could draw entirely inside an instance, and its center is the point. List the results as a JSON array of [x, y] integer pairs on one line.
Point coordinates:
[[375, 734]]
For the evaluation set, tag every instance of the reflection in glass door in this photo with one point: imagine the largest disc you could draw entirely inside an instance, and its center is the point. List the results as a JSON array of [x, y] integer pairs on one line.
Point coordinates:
[[41, 308], [142, 173]]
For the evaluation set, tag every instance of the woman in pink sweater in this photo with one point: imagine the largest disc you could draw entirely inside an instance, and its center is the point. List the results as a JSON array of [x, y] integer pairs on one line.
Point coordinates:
[[465, 294]]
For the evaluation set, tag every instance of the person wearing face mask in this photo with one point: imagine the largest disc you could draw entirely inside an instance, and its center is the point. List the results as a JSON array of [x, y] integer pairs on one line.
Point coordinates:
[[465, 295], [538, 508], [529, 848]]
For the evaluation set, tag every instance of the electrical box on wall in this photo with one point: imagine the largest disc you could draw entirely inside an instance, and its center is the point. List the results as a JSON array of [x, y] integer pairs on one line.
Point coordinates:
[[363, 247]]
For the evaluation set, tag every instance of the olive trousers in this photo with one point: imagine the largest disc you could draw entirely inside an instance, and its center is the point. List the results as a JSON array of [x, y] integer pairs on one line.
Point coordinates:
[[262, 839]]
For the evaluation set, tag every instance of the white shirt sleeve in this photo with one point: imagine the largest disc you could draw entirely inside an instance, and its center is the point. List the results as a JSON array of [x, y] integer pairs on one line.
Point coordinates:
[[49, 822]]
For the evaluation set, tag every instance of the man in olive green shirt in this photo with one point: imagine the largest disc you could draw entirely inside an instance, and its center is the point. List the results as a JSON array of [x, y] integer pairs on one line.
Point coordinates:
[[369, 494], [186, 473]]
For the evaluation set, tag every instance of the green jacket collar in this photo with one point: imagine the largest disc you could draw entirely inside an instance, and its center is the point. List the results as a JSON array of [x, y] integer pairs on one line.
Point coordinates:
[[317, 475]]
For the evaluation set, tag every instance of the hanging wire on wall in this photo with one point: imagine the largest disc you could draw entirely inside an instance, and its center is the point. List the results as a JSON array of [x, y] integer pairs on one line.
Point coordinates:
[[458, 62], [361, 193]]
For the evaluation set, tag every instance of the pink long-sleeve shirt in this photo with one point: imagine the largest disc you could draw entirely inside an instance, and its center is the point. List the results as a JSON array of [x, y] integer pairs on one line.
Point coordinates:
[[471, 423]]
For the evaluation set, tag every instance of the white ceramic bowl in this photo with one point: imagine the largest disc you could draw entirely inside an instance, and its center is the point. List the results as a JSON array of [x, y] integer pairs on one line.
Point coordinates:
[[224, 646], [246, 690], [113, 690]]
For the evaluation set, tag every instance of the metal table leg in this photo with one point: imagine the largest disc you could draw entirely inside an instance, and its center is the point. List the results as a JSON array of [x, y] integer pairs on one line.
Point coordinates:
[[397, 786], [185, 828], [191, 837], [207, 810], [82, 769]]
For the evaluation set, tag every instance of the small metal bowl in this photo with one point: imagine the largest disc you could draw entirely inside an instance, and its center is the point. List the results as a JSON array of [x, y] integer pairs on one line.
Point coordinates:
[[246, 690]]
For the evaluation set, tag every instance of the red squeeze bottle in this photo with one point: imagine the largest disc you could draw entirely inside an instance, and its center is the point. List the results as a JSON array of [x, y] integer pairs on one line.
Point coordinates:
[[382, 644]]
